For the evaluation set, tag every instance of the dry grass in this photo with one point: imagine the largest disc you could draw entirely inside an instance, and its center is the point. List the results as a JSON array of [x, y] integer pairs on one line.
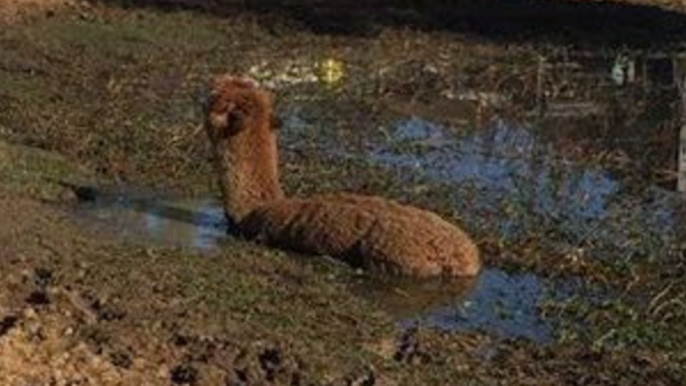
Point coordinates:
[[13, 10]]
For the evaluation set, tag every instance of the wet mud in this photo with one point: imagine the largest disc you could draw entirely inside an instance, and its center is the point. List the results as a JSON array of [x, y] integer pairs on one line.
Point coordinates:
[[557, 145], [495, 301]]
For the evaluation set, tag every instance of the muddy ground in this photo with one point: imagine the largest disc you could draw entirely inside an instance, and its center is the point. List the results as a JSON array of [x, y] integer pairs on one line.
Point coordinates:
[[108, 95]]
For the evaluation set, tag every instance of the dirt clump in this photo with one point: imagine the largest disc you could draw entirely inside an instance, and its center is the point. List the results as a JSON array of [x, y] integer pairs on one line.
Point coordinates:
[[73, 310], [41, 347], [15, 10]]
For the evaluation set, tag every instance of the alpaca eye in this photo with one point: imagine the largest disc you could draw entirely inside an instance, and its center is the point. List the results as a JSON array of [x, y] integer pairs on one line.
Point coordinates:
[[276, 122], [235, 120]]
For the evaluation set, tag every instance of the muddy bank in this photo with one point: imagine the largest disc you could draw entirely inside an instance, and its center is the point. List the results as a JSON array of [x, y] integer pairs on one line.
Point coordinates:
[[571, 149], [501, 303], [76, 309], [12, 11]]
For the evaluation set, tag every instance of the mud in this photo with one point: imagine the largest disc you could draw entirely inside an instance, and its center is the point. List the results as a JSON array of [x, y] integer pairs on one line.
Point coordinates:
[[497, 302], [573, 141], [59, 325], [13, 11]]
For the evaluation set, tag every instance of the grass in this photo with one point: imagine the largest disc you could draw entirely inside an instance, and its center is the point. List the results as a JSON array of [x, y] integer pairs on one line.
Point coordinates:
[[35, 173], [117, 93]]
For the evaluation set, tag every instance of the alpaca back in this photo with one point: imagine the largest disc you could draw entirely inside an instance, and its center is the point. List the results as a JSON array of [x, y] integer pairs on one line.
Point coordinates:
[[364, 231], [368, 232]]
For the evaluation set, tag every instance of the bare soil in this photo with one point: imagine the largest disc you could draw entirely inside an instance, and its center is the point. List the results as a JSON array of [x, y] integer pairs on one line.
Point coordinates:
[[16, 10], [108, 93]]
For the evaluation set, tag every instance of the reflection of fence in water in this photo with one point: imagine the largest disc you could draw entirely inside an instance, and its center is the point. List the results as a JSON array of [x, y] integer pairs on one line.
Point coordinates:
[[680, 76], [623, 105], [577, 84]]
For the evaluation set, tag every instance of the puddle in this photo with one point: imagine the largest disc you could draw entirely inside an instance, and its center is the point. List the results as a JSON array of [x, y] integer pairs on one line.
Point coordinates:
[[502, 304], [495, 302], [520, 176], [198, 224], [512, 177], [508, 165], [524, 186], [519, 172]]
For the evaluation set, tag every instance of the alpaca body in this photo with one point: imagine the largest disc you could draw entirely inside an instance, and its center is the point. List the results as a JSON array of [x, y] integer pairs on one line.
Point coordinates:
[[364, 231]]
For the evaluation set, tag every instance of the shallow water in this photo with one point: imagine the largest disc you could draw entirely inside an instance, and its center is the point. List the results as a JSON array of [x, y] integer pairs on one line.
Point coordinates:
[[497, 302], [519, 168], [525, 185], [501, 303], [197, 224], [586, 146]]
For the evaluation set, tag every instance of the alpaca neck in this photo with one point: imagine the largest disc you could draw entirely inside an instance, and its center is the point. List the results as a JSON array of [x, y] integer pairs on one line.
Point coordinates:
[[248, 172]]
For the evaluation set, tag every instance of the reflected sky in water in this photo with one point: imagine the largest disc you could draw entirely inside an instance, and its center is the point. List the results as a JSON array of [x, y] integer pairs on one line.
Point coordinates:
[[196, 224], [509, 166], [504, 160], [497, 302], [500, 303], [519, 182]]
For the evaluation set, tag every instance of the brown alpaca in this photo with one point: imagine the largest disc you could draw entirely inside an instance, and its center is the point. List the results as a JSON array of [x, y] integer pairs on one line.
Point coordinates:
[[364, 231]]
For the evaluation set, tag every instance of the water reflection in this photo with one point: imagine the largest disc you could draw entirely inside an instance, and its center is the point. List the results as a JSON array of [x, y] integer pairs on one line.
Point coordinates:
[[585, 149], [496, 302], [507, 179], [507, 165], [523, 176], [680, 76], [624, 106], [197, 224]]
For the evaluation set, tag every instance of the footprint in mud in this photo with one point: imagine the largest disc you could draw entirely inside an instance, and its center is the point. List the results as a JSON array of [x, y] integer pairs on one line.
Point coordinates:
[[43, 277], [368, 379], [240, 366], [410, 350], [103, 310], [121, 359], [201, 349], [38, 298], [108, 312], [271, 365], [270, 360], [7, 323], [184, 375]]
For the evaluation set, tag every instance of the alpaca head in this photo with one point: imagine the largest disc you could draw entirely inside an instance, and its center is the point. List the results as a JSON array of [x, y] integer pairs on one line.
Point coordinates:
[[235, 105], [239, 125]]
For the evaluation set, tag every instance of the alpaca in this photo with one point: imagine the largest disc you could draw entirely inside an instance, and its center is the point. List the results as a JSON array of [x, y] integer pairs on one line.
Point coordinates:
[[364, 231]]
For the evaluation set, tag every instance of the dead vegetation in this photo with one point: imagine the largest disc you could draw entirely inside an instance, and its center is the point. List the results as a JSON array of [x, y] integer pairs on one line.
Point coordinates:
[[110, 89], [16, 10]]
